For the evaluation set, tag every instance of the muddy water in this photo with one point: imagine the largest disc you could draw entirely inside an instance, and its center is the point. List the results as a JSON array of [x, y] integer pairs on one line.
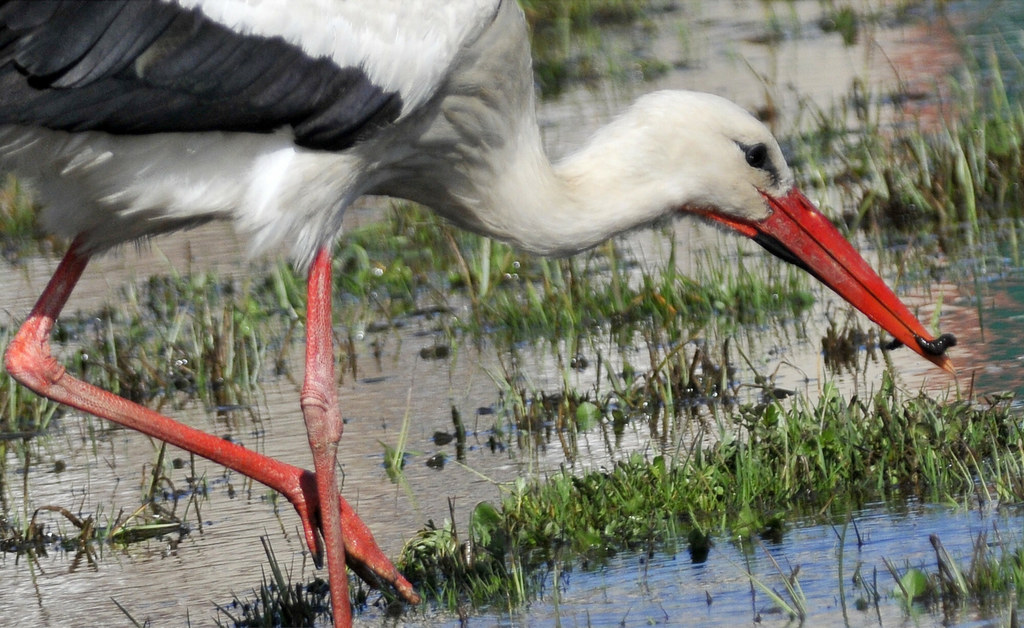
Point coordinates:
[[171, 582]]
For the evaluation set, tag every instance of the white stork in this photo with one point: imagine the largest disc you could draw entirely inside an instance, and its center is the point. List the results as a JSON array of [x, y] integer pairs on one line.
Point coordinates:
[[138, 117]]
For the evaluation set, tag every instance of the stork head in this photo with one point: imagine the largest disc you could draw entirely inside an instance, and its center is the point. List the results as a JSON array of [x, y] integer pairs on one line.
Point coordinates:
[[729, 169]]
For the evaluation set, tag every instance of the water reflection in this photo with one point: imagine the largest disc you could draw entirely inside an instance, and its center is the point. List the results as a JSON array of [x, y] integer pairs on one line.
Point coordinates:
[[994, 326], [850, 552]]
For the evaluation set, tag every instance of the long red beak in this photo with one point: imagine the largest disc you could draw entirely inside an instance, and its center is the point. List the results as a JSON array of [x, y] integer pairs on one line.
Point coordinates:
[[798, 233]]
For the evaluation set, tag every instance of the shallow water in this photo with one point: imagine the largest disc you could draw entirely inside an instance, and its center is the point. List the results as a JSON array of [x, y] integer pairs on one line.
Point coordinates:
[[665, 589], [1000, 328], [171, 582]]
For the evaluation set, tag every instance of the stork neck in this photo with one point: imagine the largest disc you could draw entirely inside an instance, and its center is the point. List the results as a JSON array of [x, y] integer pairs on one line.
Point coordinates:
[[565, 207], [478, 158]]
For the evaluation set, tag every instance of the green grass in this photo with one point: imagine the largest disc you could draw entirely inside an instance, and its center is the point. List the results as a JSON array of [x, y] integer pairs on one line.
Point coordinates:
[[176, 339], [581, 42], [23, 414], [745, 476], [413, 261], [20, 233], [945, 184]]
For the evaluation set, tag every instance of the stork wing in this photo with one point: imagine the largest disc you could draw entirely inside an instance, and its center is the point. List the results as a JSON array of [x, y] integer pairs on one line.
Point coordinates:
[[333, 73]]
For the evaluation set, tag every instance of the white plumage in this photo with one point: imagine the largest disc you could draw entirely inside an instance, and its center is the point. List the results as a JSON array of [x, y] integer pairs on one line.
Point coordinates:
[[402, 45]]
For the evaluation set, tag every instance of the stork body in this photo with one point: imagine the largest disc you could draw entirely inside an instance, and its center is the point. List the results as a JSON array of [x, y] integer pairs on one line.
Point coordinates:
[[141, 117]]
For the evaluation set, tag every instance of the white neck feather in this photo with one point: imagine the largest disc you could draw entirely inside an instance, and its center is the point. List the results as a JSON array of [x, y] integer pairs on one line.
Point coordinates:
[[569, 206]]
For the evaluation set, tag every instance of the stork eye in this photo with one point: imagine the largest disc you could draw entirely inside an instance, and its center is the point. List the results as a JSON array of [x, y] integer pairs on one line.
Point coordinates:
[[757, 155]]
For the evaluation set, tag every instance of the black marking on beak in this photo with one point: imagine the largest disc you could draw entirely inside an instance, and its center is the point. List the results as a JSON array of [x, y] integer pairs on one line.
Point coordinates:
[[779, 250]]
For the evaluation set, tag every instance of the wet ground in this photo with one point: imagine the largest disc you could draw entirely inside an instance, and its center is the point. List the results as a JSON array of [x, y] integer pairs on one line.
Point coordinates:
[[718, 47]]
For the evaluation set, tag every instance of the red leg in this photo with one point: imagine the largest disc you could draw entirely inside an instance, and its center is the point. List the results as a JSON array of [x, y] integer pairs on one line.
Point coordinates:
[[324, 426], [28, 359]]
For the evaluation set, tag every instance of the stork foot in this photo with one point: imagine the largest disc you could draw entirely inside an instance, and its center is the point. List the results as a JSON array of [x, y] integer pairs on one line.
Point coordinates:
[[362, 554]]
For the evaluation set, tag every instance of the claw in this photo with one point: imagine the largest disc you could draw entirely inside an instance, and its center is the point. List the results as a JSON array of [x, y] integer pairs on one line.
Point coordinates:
[[362, 554], [302, 506]]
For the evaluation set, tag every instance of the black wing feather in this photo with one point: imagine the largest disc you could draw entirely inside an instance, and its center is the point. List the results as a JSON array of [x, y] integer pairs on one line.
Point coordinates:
[[134, 27], [143, 66]]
